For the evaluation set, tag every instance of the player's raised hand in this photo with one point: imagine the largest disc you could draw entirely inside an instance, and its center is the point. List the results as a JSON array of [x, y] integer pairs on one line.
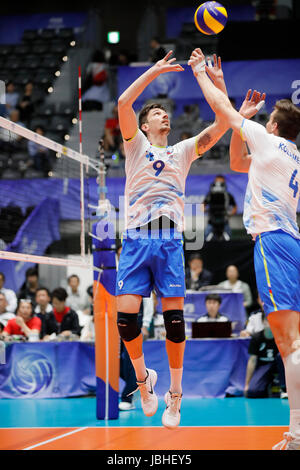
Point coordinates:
[[167, 65], [197, 60], [252, 103], [214, 69]]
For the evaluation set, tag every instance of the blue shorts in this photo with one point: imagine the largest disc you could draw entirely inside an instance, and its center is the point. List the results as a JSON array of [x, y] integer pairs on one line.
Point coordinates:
[[277, 269], [148, 263]]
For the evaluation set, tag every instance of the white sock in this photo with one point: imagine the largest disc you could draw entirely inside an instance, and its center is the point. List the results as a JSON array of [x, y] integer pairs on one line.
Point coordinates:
[[295, 422], [140, 368], [292, 374], [176, 379]]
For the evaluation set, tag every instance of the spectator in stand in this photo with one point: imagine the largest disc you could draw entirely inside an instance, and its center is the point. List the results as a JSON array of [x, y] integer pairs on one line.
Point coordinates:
[[27, 103], [44, 311], [40, 156], [10, 295], [66, 318], [236, 285], [264, 361], [4, 314], [11, 96], [29, 288], [78, 300], [25, 323], [255, 323], [196, 275], [112, 134], [157, 50], [10, 141], [212, 304], [96, 88], [185, 135]]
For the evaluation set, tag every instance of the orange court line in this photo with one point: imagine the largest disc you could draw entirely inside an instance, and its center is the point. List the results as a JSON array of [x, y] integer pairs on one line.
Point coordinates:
[[144, 438]]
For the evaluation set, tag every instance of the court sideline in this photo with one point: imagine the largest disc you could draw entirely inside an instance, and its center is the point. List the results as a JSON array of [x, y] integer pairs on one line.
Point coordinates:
[[207, 424]]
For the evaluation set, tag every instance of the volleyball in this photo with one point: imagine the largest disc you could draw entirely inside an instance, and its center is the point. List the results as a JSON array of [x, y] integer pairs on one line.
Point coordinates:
[[210, 18]]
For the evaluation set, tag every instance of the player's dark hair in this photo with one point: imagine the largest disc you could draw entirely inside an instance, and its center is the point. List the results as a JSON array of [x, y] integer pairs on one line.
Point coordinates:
[[144, 113], [287, 117]]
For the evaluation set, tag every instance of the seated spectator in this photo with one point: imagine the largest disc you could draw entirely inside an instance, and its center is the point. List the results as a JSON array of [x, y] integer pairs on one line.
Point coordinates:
[[27, 103], [40, 155], [11, 96], [196, 275], [185, 135], [97, 91], [212, 304], [67, 319], [119, 154], [25, 323], [10, 141], [44, 311], [10, 295], [255, 322], [263, 363], [236, 285], [4, 314], [76, 299], [29, 288], [112, 134], [88, 330], [157, 51]]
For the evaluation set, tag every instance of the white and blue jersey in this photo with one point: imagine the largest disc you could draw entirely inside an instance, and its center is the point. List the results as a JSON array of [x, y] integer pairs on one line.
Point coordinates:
[[272, 193], [155, 180], [155, 186], [270, 216]]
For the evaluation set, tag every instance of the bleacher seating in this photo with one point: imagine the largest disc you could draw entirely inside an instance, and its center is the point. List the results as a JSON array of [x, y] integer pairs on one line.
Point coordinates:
[[36, 59]]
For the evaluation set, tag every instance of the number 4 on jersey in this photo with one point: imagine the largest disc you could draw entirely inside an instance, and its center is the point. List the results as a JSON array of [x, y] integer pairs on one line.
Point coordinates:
[[292, 184]]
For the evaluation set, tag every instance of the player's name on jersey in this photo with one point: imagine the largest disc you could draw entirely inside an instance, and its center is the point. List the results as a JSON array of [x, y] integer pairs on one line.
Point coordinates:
[[285, 149]]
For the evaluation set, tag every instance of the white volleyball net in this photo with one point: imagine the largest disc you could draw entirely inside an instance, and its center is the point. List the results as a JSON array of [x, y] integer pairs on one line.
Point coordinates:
[[45, 199]]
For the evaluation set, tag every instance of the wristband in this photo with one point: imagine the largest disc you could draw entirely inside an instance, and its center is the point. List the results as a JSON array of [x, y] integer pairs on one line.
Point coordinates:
[[200, 67]]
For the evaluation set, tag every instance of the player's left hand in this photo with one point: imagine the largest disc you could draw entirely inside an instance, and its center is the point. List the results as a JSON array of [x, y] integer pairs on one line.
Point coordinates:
[[214, 70], [167, 65], [250, 103]]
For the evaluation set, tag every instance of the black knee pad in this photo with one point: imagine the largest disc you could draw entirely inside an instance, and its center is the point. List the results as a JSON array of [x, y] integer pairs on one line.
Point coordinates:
[[174, 324], [128, 326]]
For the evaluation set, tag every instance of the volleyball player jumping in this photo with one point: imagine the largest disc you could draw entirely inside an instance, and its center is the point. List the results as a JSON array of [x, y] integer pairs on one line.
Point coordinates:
[[152, 254], [270, 216]]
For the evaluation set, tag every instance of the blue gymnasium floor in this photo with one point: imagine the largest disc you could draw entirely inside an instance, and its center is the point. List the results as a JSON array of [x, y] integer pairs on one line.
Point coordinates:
[[77, 412]]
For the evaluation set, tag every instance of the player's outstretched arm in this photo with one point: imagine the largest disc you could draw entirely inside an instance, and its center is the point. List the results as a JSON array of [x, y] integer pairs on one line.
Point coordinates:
[[210, 136], [216, 99], [127, 117], [240, 159]]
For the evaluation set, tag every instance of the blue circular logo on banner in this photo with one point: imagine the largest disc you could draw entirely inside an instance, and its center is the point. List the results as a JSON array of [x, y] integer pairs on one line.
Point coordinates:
[[31, 374]]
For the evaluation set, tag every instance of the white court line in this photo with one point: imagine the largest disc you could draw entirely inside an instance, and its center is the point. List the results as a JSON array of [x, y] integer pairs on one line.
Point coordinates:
[[55, 438]]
